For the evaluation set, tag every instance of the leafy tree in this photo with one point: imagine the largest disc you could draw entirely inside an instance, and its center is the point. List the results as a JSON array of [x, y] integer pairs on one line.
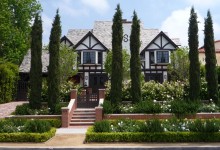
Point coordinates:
[[54, 64], [8, 80], [178, 69], [194, 68], [36, 64], [126, 64], [210, 58], [117, 69], [15, 27], [68, 58], [135, 63]]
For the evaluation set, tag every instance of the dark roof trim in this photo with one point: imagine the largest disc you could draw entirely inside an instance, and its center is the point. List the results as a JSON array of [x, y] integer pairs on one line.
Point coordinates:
[[153, 41], [92, 35], [64, 38]]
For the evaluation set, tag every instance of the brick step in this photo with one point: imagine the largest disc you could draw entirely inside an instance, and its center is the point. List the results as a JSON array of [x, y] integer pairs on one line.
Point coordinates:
[[83, 120], [84, 110], [84, 113], [83, 116], [81, 123]]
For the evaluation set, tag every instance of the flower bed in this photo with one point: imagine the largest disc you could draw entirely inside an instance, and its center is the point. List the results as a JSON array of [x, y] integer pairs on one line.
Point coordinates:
[[26, 130], [171, 130]]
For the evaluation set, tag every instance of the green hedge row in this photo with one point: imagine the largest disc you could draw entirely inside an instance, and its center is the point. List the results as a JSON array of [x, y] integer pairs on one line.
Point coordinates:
[[27, 137], [92, 136]]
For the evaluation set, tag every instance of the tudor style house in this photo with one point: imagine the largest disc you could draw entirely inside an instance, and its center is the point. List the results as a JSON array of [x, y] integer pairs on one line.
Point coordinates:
[[92, 46]]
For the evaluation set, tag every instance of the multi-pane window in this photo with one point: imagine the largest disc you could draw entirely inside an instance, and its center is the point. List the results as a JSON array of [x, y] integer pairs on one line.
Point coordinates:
[[89, 57], [152, 61], [79, 57], [162, 56]]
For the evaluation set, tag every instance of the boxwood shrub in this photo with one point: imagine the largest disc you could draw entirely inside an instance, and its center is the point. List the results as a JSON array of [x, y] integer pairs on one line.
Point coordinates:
[[92, 136], [27, 137]]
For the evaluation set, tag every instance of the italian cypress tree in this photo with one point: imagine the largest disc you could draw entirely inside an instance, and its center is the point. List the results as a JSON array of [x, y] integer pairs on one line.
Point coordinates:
[[36, 64], [135, 64], [117, 69], [194, 68], [210, 58], [54, 66]]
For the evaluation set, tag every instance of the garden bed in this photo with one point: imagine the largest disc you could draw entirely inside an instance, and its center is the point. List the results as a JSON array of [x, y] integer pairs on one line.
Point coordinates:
[[27, 137], [155, 130], [92, 136], [160, 116]]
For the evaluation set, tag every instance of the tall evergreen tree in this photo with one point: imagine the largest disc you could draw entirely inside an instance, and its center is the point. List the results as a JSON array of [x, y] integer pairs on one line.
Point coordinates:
[[54, 66], [117, 69], [36, 64], [135, 63], [194, 68], [210, 58]]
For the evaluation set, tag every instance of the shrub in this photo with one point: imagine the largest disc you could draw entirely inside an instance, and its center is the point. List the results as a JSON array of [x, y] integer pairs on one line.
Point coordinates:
[[125, 125], [25, 109], [37, 126], [210, 125], [27, 137], [182, 108], [147, 106], [102, 126], [22, 109], [108, 108], [152, 126], [151, 137], [58, 108], [8, 80]]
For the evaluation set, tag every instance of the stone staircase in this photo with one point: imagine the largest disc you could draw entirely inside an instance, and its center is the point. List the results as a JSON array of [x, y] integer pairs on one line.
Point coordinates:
[[83, 117]]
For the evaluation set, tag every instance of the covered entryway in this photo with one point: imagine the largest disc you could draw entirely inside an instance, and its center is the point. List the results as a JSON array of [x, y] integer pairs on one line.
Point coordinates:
[[97, 81]]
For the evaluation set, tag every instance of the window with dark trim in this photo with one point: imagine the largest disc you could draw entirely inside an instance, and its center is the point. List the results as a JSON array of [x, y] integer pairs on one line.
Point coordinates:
[[152, 61], [89, 57], [99, 57], [162, 56]]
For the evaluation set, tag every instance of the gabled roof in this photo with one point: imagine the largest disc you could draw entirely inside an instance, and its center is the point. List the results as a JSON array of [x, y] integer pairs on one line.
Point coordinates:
[[75, 35], [163, 35], [87, 35], [26, 63], [64, 38]]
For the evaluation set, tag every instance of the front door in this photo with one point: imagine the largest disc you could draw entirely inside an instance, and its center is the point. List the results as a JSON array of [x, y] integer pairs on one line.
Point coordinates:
[[97, 81]]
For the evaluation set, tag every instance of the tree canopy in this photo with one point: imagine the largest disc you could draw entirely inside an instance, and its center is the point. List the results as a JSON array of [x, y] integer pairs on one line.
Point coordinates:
[[15, 27], [210, 59], [194, 68]]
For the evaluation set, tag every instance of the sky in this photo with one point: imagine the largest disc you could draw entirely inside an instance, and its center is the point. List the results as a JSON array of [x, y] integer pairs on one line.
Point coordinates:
[[170, 16]]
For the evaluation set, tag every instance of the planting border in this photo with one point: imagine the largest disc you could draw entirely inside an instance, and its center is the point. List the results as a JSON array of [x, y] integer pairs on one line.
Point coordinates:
[[27, 137], [92, 136]]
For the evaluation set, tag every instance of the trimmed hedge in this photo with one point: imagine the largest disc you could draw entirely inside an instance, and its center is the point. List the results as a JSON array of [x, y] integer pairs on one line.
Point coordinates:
[[92, 136], [27, 137]]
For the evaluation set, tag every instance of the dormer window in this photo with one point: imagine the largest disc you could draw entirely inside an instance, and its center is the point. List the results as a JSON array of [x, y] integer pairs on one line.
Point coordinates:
[[89, 57]]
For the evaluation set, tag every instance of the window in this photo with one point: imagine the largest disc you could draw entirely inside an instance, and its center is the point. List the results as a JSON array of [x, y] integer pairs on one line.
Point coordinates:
[[162, 56], [89, 57], [152, 61], [99, 57]]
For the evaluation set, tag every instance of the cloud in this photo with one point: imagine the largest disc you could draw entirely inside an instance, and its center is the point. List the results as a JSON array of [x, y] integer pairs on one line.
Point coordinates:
[[66, 7], [100, 6], [203, 3], [177, 25]]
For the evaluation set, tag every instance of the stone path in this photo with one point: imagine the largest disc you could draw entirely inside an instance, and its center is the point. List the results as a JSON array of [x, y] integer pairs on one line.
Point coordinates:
[[7, 108]]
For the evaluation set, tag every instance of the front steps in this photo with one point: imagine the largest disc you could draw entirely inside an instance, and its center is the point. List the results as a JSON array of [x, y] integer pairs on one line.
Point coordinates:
[[83, 117]]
